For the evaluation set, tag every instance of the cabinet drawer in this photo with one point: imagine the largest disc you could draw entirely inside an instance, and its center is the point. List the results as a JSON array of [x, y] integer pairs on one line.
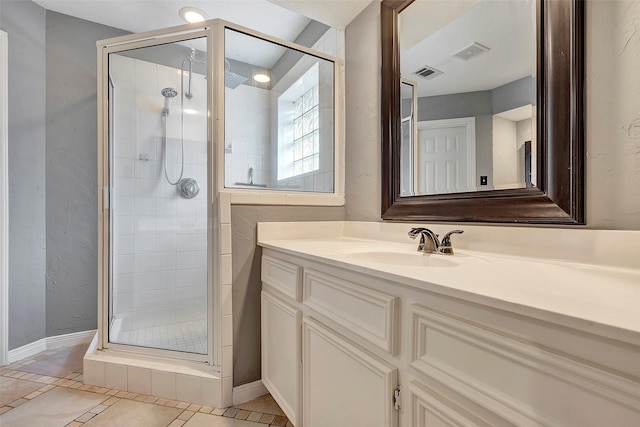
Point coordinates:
[[282, 276], [364, 311]]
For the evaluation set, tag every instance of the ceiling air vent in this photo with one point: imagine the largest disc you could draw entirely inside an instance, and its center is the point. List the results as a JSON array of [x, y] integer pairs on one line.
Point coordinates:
[[427, 72], [471, 51]]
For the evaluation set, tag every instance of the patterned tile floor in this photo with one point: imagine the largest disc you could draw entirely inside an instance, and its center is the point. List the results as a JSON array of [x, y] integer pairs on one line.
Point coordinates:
[[47, 391]]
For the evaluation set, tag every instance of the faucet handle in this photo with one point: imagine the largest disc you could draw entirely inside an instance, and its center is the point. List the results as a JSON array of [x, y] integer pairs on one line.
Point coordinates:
[[445, 245]]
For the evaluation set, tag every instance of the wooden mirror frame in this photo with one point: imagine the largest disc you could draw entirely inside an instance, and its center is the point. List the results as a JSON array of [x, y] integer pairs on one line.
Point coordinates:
[[559, 195]]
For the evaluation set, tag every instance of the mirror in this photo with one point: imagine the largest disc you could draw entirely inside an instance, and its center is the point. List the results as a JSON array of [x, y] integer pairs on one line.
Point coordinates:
[[474, 72], [482, 110]]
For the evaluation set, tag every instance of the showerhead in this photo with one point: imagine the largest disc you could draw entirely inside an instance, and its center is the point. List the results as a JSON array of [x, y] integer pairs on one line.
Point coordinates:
[[168, 93]]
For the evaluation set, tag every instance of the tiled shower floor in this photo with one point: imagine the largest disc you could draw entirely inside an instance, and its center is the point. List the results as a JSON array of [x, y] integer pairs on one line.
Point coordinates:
[[189, 336], [46, 390]]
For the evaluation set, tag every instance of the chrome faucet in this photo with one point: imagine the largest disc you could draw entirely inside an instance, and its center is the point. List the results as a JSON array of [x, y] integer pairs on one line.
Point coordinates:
[[429, 242]]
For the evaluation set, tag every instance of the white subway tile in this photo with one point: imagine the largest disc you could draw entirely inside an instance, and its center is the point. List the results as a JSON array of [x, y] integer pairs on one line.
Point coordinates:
[[200, 259], [145, 206], [165, 224], [144, 263], [123, 206], [145, 244], [123, 283], [123, 244], [145, 281], [165, 243], [185, 207], [165, 280], [145, 188], [165, 206], [145, 225], [123, 264], [166, 261], [124, 187], [123, 168]]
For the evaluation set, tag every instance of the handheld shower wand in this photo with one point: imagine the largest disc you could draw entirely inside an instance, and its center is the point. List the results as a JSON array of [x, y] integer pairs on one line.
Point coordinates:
[[168, 93]]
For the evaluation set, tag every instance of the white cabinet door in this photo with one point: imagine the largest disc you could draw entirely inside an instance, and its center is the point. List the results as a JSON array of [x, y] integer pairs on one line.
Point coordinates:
[[281, 358], [344, 385]]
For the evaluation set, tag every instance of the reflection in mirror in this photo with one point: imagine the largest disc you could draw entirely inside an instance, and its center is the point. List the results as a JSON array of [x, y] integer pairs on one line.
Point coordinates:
[[468, 96], [279, 117]]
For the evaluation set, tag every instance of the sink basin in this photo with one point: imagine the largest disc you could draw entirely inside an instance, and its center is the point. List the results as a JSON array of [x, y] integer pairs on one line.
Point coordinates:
[[413, 258]]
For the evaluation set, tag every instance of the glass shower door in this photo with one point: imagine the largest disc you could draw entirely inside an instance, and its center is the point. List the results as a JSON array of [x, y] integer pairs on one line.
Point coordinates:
[[158, 281]]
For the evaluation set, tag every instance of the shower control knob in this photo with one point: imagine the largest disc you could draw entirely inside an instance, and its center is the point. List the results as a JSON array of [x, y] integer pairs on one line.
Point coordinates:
[[188, 188]]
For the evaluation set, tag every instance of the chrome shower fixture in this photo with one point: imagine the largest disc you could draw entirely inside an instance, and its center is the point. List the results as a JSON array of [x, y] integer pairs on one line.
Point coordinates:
[[191, 59], [168, 93]]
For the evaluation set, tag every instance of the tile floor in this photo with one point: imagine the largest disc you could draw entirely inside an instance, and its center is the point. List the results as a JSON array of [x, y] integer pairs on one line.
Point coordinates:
[[185, 336], [47, 391]]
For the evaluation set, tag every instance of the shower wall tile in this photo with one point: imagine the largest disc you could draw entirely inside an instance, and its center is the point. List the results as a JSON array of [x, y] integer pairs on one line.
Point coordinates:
[[226, 270], [225, 300], [225, 238], [160, 239], [227, 331], [227, 361]]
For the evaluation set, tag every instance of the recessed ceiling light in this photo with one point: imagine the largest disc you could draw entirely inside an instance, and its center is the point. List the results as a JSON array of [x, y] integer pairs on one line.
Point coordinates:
[[192, 14], [262, 78]]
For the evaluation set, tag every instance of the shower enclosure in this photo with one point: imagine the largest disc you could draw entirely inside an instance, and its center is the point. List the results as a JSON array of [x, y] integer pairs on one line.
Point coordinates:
[[158, 241], [173, 104]]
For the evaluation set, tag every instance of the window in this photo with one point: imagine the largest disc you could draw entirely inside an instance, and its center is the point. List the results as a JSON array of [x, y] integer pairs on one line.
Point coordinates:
[[306, 133]]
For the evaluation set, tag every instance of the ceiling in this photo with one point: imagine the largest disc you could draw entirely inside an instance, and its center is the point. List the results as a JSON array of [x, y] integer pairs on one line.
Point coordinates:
[[284, 19], [280, 18], [432, 31]]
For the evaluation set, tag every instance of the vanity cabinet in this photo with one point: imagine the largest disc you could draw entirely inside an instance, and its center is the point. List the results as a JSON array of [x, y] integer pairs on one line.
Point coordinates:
[[344, 347]]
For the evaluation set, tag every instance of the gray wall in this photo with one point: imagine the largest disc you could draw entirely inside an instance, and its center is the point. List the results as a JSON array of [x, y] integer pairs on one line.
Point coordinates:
[[24, 22], [72, 207], [612, 115], [469, 104], [362, 99], [246, 278], [482, 103]]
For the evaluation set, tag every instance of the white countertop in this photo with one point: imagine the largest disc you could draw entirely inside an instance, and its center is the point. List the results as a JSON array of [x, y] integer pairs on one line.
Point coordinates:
[[600, 299]]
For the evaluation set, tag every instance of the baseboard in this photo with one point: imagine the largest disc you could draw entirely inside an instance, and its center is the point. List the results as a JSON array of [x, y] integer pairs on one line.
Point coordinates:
[[66, 340], [69, 340], [246, 392], [27, 350]]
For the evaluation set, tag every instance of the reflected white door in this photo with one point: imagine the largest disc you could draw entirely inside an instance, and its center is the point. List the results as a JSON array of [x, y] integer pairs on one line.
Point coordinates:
[[445, 154]]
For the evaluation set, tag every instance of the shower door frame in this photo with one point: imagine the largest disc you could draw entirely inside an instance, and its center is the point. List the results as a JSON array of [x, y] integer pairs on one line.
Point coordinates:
[[208, 29]]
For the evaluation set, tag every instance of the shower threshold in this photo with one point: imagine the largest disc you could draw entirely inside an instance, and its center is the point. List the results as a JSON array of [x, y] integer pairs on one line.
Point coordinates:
[[172, 379]]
